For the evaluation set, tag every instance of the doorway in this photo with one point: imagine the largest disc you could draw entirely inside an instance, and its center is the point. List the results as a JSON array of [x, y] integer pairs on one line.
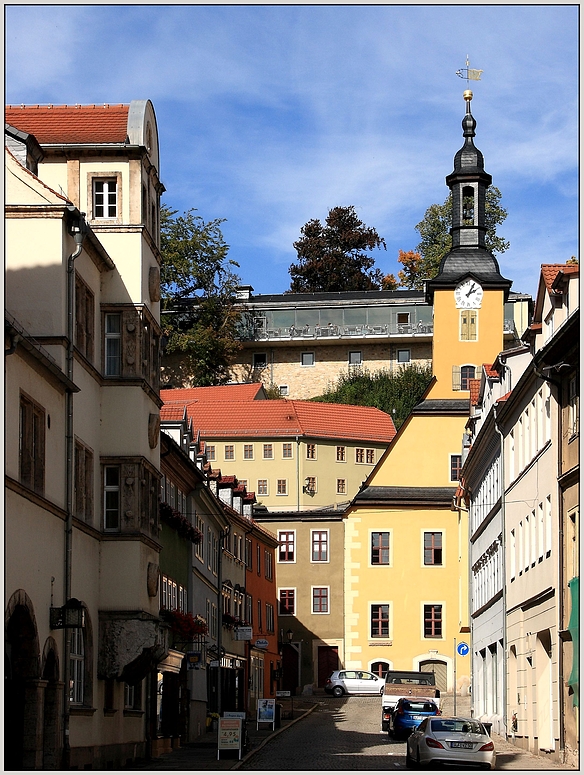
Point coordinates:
[[328, 661]]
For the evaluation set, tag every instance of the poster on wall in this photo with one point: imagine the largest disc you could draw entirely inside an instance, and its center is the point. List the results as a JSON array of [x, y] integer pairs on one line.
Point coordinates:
[[266, 712]]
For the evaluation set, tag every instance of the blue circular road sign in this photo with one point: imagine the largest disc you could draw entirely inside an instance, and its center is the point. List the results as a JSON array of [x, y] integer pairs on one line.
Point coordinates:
[[463, 649]]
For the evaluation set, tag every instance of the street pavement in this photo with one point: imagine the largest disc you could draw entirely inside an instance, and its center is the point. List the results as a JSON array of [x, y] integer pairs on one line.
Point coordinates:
[[326, 733]]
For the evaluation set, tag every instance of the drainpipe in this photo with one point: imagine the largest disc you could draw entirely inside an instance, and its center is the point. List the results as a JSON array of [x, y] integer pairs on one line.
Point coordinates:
[[222, 536], [504, 564], [78, 229], [297, 473]]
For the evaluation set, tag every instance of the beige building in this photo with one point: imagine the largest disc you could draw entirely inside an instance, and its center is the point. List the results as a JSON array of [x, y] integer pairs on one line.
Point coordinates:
[[82, 416], [303, 342], [295, 455]]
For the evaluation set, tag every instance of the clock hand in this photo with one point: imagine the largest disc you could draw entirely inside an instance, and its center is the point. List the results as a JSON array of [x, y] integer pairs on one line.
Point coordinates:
[[471, 290]]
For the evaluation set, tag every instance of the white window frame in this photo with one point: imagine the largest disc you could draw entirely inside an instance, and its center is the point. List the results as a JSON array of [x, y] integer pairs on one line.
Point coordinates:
[[106, 182], [268, 446], [304, 356], [281, 494], [248, 451], [328, 599], [288, 589], [440, 530], [343, 453], [225, 448], [328, 547], [295, 548], [376, 638], [351, 359], [428, 638], [112, 363], [117, 488], [344, 491], [267, 483], [370, 548], [291, 455]]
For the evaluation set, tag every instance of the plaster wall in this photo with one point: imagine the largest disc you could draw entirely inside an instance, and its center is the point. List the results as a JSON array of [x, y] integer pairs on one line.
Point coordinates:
[[123, 576], [124, 422]]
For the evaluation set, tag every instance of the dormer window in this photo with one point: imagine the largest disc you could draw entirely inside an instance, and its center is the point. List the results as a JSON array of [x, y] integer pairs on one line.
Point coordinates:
[[468, 206]]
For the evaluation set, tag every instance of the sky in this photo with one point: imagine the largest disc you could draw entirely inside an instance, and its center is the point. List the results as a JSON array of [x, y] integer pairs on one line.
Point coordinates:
[[270, 115]]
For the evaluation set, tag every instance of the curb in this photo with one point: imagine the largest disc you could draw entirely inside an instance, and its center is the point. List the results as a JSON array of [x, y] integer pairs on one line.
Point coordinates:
[[248, 756]]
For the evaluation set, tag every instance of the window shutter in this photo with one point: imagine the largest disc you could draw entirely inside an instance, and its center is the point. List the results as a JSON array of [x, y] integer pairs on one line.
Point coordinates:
[[456, 377]]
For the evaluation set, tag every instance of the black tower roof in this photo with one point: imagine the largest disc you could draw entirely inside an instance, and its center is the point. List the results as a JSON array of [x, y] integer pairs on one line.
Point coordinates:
[[468, 183]]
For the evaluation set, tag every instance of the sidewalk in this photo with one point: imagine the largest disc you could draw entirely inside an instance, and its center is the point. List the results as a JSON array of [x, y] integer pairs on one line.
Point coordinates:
[[203, 755]]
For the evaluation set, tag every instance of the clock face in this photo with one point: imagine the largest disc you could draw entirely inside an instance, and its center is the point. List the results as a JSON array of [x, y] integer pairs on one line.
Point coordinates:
[[468, 294]]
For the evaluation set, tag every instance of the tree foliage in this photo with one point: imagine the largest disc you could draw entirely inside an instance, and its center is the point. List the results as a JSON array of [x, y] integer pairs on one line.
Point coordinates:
[[436, 240], [198, 290], [396, 394], [333, 257]]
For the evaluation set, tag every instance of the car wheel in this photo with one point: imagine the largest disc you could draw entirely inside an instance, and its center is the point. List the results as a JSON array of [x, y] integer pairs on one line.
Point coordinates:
[[338, 691]]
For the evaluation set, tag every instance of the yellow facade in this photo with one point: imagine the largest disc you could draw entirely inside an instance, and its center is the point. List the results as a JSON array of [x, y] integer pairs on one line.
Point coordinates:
[[421, 596]]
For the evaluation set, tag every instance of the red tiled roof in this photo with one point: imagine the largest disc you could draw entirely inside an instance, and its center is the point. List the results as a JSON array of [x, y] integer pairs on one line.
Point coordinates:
[[475, 386], [248, 419], [503, 398], [172, 412], [71, 123], [247, 391], [550, 271], [490, 371]]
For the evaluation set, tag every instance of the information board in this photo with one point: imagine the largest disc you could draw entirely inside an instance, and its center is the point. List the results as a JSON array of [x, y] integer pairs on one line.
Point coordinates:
[[266, 712], [229, 735]]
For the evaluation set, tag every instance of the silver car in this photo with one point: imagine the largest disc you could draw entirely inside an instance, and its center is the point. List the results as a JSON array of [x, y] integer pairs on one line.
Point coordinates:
[[353, 682], [451, 740]]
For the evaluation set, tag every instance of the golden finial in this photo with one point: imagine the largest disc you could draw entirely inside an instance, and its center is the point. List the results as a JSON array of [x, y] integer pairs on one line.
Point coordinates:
[[467, 94]]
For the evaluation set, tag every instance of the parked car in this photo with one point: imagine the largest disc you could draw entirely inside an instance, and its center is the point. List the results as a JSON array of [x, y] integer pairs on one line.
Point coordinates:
[[451, 740], [409, 714], [353, 682]]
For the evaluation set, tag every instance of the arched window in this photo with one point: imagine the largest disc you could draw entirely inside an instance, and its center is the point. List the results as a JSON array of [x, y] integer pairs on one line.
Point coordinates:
[[468, 205], [380, 668], [77, 667], [466, 374]]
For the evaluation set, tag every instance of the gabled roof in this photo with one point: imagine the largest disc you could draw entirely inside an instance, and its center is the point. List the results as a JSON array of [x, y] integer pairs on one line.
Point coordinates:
[[172, 413], [547, 283], [281, 418], [549, 272], [71, 123], [245, 391]]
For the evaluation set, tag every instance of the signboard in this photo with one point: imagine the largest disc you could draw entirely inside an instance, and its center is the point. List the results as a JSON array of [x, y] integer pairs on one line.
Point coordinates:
[[283, 694], [229, 735], [243, 633], [261, 643], [234, 714], [194, 660], [266, 712], [214, 663], [463, 649]]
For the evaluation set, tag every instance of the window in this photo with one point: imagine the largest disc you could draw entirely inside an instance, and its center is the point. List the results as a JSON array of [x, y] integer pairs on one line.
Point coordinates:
[[284, 390], [32, 445], [83, 505], [287, 450], [311, 451], [113, 344], [269, 617], [282, 487], [286, 539], [455, 466], [432, 548], [210, 450], [249, 553], [287, 602], [403, 318], [310, 485], [320, 541], [320, 600], [214, 620], [77, 667], [359, 455], [268, 451], [209, 548], [370, 456], [380, 620], [262, 486], [432, 621], [229, 452], [111, 498], [341, 486], [105, 198], [307, 359], [574, 404], [133, 696], [260, 360], [248, 451], [468, 325], [249, 609], [259, 622], [341, 454], [242, 483], [380, 548], [268, 565], [84, 318], [355, 358], [461, 377], [259, 559], [404, 356]]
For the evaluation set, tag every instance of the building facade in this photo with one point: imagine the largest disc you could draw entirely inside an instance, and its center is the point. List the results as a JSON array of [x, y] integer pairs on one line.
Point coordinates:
[[83, 633]]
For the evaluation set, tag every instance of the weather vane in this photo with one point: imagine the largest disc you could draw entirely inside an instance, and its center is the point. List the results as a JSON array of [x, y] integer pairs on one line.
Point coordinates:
[[469, 73]]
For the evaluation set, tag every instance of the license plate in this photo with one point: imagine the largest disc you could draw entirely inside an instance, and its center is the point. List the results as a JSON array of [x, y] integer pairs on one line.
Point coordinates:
[[417, 718], [459, 744]]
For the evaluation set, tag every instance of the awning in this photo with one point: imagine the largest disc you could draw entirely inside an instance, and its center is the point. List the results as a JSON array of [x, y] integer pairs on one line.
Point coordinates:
[[574, 629]]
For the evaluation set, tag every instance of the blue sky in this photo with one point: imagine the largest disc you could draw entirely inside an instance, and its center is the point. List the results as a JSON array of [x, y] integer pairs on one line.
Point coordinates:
[[268, 116]]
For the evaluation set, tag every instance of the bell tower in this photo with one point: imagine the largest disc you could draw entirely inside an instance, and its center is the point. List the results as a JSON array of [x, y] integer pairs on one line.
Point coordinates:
[[469, 292]]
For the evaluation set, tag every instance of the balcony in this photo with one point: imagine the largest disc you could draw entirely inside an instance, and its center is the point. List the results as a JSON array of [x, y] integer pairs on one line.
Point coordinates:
[[341, 332]]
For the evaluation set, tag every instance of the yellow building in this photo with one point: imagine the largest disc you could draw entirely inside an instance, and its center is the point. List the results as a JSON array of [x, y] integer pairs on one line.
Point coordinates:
[[406, 548]]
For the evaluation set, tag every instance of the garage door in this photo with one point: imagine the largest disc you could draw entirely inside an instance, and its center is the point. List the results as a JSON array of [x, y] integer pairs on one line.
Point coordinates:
[[439, 670]]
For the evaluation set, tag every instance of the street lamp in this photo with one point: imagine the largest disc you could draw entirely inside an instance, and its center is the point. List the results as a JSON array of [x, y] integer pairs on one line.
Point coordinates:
[[289, 635]]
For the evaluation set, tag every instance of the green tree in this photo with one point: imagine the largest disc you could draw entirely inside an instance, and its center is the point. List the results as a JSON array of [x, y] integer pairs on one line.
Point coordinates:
[[200, 316], [436, 240], [333, 257], [396, 394]]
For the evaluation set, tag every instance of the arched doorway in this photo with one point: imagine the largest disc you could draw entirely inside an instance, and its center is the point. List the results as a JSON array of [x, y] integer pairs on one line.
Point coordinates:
[[440, 671], [22, 712], [52, 703]]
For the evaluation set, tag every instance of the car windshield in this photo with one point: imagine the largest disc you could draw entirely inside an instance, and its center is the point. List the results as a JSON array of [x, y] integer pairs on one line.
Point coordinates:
[[458, 725], [419, 707]]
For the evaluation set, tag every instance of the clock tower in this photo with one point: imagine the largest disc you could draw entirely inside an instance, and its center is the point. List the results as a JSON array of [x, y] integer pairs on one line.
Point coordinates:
[[469, 292]]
